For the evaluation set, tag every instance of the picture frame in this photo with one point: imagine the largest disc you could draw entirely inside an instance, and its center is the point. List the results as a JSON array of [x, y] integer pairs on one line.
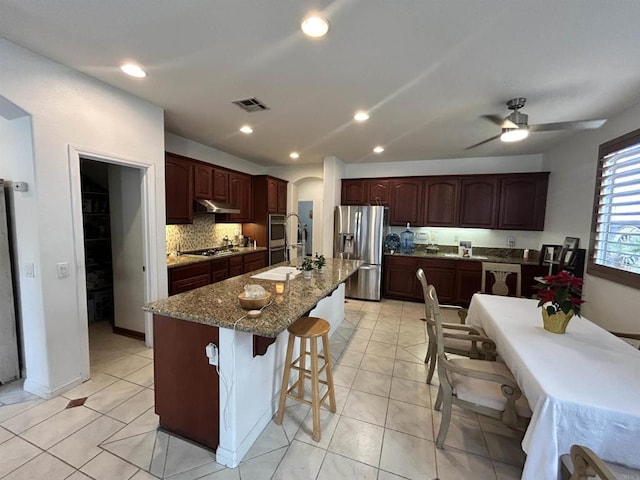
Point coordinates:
[[549, 254], [569, 249]]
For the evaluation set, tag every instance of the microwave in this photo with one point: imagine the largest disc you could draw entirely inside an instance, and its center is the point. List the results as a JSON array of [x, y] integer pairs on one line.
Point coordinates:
[[277, 231]]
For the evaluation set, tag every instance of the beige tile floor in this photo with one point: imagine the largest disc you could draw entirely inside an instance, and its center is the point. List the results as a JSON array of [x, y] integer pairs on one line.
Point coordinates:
[[384, 428]]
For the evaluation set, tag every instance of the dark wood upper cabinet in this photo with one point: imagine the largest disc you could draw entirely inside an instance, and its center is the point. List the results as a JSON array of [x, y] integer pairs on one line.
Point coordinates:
[[220, 185], [272, 195], [365, 192], [405, 201], [353, 192], [282, 197], [178, 189], [202, 181], [523, 200], [441, 201], [240, 197], [479, 201], [377, 192]]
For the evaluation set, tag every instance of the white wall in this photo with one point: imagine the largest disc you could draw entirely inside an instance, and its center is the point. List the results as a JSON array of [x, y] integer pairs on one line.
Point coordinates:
[[451, 166], [68, 109], [189, 148], [16, 165], [569, 207], [334, 170]]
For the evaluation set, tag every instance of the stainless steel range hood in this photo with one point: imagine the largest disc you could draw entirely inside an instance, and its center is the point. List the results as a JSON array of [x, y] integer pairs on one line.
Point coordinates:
[[213, 207]]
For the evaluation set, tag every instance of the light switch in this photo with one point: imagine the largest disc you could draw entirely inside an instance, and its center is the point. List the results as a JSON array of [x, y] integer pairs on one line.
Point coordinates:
[[29, 270], [63, 269]]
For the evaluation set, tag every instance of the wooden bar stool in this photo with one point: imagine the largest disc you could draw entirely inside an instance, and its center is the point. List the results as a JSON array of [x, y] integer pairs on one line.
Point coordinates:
[[308, 328]]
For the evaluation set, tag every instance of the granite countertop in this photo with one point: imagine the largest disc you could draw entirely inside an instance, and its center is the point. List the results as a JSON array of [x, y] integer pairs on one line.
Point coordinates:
[[480, 254], [186, 259], [217, 304]]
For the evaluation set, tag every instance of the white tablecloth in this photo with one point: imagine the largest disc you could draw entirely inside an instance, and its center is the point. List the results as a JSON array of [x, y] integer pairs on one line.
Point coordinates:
[[583, 386]]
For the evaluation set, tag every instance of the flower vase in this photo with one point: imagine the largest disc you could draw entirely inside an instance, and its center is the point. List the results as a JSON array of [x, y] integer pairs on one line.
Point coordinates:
[[320, 269], [306, 274], [556, 322]]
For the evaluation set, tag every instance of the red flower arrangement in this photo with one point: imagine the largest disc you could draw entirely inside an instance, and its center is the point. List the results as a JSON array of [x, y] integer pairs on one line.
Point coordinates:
[[560, 292]]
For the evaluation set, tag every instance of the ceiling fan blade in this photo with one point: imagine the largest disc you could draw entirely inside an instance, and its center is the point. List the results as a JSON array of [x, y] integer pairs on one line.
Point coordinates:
[[497, 119], [482, 142], [576, 125]]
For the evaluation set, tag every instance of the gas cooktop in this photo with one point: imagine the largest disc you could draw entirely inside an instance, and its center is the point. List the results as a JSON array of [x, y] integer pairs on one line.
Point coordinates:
[[211, 252]]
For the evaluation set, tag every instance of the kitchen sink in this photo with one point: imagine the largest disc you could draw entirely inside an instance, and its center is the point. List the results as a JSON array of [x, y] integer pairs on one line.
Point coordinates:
[[457, 255]]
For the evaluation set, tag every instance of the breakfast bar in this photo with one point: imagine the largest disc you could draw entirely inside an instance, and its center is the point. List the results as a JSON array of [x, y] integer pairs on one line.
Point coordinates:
[[226, 406]]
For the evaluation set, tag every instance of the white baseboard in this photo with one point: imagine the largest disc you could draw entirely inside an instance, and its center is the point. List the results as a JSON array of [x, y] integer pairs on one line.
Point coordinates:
[[47, 393]]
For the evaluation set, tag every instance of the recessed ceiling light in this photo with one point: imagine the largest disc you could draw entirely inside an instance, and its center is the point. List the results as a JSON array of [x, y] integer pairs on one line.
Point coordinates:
[[378, 149], [314, 26], [294, 155], [133, 70], [514, 134], [361, 116], [246, 129]]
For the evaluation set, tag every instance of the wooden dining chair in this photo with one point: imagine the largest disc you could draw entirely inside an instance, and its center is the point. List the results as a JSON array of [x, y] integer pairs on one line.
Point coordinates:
[[583, 464], [459, 339], [500, 272], [481, 386]]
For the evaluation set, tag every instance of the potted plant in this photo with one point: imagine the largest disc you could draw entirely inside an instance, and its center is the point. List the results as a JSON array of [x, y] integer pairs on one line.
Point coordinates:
[[307, 267], [560, 297], [320, 262]]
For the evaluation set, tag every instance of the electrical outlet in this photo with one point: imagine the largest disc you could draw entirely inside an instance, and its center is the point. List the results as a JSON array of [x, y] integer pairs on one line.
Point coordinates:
[[511, 242], [211, 351]]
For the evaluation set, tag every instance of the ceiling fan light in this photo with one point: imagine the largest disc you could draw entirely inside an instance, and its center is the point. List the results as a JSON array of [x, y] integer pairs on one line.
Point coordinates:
[[514, 134], [315, 26]]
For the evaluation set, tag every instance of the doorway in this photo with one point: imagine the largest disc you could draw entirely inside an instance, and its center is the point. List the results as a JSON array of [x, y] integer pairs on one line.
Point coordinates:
[[113, 245], [130, 186], [305, 212]]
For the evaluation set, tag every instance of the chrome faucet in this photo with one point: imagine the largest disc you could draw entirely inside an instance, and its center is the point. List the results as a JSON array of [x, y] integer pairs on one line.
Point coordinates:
[[286, 238]]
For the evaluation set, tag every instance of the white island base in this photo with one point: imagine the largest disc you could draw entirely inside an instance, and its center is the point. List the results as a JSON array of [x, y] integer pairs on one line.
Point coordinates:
[[250, 386]]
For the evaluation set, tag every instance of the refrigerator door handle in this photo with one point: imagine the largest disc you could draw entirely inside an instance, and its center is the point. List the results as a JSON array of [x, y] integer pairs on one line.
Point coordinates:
[[358, 233]]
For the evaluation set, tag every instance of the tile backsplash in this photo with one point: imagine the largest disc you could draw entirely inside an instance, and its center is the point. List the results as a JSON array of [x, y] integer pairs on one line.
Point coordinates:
[[204, 232]]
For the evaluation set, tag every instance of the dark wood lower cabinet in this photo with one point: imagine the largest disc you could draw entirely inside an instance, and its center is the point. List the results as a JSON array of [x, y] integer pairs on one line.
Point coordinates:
[[254, 261], [186, 386], [196, 275], [455, 280], [235, 266], [400, 277], [442, 275], [468, 281], [188, 277], [219, 270]]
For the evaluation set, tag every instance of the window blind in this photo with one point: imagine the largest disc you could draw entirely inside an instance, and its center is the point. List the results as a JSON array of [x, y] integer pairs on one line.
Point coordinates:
[[617, 232]]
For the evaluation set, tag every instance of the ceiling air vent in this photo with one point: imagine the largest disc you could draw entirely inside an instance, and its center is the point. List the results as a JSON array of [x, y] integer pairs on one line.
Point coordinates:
[[251, 105]]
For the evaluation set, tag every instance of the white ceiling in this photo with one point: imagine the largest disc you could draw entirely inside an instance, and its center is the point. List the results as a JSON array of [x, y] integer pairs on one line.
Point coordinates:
[[427, 70]]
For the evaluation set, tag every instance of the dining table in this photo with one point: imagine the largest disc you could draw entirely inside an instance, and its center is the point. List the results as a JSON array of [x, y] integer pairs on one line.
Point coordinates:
[[583, 386]]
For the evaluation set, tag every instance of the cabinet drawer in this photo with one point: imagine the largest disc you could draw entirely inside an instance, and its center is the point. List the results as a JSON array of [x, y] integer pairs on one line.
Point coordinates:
[[426, 263], [186, 284], [255, 261], [402, 261], [196, 269], [219, 270]]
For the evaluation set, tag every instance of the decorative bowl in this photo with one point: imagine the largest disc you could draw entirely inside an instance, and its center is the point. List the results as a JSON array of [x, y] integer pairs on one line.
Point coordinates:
[[254, 303]]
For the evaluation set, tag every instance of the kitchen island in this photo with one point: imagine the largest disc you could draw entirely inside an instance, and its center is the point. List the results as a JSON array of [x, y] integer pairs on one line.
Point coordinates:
[[226, 407]]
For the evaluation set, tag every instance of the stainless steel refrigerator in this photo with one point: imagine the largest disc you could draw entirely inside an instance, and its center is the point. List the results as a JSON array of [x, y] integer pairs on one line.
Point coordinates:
[[8, 341], [359, 233]]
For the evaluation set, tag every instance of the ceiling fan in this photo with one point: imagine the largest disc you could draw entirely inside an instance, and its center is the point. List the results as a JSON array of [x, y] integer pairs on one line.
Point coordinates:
[[515, 126]]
